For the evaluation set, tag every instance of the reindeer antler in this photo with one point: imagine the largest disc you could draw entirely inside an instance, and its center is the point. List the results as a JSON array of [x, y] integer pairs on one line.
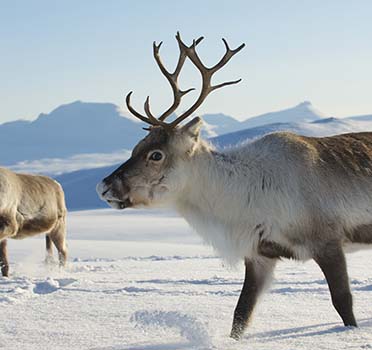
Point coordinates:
[[206, 89]]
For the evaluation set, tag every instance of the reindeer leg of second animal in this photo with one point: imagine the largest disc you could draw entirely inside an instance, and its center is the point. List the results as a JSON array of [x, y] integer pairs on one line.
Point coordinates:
[[49, 250], [4, 258], [258, 273], [58, 237], [331, 260]]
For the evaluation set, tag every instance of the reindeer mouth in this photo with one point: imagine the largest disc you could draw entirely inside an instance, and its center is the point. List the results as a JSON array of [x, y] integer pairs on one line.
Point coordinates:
[[117, 204]]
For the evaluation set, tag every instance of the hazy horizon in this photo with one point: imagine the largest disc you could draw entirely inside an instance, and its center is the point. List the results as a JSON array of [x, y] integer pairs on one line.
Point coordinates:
[[57, 53]]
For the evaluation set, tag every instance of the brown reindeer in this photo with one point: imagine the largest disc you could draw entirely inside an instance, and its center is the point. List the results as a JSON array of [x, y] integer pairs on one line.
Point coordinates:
[[30, 205], [281, 196]]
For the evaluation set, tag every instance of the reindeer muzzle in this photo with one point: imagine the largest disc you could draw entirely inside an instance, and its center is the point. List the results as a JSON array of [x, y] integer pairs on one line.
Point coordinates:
[[115, 193]]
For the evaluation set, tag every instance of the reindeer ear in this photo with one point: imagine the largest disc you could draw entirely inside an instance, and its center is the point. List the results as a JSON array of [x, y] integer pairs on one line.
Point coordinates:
[[193, 127]]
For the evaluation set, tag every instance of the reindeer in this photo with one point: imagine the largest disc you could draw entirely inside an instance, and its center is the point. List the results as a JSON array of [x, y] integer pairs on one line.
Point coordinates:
[[281, 196], [30, 205]]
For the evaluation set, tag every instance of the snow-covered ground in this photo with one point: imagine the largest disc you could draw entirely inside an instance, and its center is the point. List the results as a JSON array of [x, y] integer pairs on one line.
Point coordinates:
[[141, 280]]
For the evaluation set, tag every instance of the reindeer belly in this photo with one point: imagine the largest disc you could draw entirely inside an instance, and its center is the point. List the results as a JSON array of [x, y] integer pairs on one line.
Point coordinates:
[[232, 243], [358, 238], [361, 234], [34, 226]]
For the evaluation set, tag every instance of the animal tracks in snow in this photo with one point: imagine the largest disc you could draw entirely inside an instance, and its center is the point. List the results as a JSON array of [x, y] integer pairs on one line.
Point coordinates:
[[16, 289], [19, 289], [174, 303], [51, 285], [188, 326]]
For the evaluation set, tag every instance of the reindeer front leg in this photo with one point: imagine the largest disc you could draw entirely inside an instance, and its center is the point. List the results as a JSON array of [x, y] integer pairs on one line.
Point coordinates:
[[331, 260], [258, 273]]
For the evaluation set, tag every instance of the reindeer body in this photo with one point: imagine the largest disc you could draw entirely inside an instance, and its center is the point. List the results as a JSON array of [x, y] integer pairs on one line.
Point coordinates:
[[282, 196], [30, 205], [291, 190]]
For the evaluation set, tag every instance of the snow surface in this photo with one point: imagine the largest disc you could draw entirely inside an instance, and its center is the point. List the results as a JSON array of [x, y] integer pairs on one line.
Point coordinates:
[[141, 280]]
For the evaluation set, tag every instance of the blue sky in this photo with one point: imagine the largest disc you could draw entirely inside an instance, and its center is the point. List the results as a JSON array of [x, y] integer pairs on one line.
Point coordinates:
[[56, 52]]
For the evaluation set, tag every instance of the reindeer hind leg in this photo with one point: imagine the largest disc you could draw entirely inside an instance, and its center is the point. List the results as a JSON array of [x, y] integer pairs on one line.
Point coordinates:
[[58, 237], [4, 258], [49, 250]]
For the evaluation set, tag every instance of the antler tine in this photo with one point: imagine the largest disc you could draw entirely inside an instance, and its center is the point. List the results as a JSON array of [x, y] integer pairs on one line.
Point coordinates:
[[191, 50], [147, 109], [183, 45], [172, 77], [135, 113], [151, 116], [227, 56], [232, 82], [206, 74]]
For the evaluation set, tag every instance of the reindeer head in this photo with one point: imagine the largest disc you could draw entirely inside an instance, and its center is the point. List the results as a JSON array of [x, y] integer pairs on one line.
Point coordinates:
[[154, 173]]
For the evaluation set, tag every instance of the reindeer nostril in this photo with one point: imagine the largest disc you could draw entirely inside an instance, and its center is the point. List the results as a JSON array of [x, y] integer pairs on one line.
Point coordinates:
[[104, 192]]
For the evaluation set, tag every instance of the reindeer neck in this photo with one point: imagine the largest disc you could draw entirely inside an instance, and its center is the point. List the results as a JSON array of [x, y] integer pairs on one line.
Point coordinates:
[[219, 201], [215, 184]]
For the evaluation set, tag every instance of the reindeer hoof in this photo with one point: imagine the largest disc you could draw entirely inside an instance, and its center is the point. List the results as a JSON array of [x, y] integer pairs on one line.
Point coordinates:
[[5, 271], [236, 332], [49, 261]]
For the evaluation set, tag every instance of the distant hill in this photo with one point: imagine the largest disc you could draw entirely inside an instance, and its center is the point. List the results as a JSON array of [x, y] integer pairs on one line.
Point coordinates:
[[303, 112], [80, 186], [218, 124], [81, 135], [320, 127], [75, 128], [367, 117], [82, 128]]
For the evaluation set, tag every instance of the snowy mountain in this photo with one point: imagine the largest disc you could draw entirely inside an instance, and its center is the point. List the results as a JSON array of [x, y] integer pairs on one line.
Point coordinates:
[[218, 124], [81, 143], [303, 112], [82, 128], [320, 127], [80, 186], [367, 117], [75, 128]]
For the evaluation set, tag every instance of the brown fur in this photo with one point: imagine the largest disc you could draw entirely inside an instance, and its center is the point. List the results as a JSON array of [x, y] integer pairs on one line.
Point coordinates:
[[31, 205], [361, 234], [345, 154], [274, 250]]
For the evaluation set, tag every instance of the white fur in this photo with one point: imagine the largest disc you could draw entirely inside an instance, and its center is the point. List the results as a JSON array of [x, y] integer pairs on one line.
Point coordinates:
[[277, 189], [224, 201]]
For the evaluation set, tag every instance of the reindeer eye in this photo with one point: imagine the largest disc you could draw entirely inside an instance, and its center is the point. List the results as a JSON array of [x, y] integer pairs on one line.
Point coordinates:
[[156, 156]]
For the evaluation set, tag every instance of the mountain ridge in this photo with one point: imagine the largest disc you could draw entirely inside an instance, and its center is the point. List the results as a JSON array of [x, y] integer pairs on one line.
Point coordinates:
[[92, 127], [80, 191]]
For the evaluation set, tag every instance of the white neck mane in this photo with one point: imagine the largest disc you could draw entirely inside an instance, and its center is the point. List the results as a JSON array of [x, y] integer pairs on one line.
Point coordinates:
[[226, 200]]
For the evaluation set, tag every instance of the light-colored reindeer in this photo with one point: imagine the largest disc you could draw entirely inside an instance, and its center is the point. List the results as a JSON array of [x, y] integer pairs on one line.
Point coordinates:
[[282, 196], [30, 205]]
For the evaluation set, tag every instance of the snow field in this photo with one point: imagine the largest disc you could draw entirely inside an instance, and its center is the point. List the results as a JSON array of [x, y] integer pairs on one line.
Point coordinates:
[[160, 295]]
